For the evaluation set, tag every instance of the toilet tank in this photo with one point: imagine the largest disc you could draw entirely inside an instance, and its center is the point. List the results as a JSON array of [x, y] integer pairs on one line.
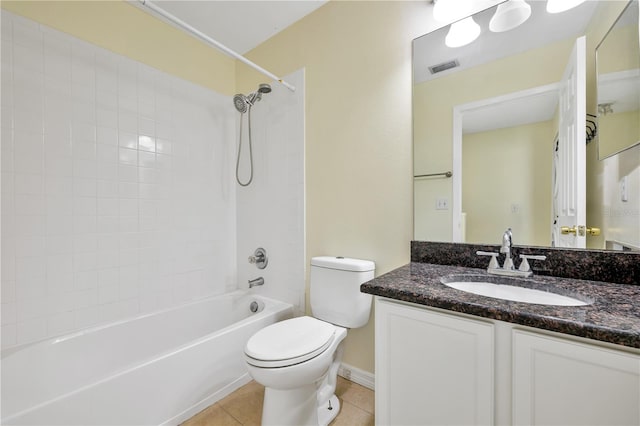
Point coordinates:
[[335, 290]]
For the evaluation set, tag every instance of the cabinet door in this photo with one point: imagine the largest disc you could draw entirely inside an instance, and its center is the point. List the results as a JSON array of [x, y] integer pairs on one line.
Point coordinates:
[[561, 382], [432, 368]]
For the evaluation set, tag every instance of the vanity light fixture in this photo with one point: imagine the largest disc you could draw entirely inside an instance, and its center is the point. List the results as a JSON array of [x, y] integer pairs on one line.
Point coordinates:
[[462, 33], [509, 15], [557, 6], [447, 11]]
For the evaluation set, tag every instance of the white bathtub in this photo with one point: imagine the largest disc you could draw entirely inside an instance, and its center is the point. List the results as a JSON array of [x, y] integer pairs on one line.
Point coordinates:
[[159, 368]]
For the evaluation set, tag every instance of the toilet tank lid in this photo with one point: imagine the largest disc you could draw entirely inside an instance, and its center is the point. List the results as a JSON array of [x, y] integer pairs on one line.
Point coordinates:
[[343, 263]]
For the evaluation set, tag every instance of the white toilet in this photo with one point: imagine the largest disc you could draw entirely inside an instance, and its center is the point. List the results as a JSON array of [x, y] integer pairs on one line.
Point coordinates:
[[297, 360]]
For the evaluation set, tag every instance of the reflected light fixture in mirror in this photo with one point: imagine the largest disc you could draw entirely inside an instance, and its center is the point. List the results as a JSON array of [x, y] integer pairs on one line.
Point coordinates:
[[509, 15], [462, 33], [447, 11], [557, 6]]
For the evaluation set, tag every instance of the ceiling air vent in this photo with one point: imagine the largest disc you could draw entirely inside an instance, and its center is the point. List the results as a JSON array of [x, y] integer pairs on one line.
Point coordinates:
[[444, 66]]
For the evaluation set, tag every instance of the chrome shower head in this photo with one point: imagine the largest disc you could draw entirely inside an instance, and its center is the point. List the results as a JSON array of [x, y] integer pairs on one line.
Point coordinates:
[[241, 103], [264, 88]]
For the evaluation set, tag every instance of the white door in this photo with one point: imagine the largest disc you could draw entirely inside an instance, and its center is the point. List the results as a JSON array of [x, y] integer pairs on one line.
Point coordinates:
[[570, 172]]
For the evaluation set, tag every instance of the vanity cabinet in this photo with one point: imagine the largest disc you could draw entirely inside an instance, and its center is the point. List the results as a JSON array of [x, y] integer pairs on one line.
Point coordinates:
[[435, 367], [564, 382], [429, 366]]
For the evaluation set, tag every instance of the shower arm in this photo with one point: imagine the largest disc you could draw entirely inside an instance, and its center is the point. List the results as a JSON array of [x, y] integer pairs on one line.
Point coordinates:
[[189, 29]]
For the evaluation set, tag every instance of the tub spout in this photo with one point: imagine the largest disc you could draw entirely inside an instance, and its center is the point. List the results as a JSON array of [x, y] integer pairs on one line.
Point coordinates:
[[256, 282]]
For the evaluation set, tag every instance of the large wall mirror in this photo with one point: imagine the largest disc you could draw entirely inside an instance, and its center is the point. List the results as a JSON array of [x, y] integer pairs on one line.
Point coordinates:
[[488, 131]]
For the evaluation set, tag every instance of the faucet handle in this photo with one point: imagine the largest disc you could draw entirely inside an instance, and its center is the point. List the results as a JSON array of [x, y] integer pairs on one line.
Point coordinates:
[[259, 258], [493, 264], [524, 265]]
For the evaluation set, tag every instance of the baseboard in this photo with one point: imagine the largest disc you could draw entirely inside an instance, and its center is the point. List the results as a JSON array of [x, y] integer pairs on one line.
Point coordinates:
[[357, 375]]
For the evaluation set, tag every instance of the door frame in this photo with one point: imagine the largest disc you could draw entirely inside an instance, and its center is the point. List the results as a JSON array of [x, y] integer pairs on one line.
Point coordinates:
[[458, 115]]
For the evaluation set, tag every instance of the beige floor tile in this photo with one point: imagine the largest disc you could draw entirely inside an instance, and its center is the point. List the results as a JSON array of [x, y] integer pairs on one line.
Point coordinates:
[[245, 404], [215, 415], [244, 407], [355, 394], [350, 415]]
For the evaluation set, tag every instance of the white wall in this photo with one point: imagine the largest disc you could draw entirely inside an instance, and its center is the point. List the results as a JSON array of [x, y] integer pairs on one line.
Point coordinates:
[[271, 209], [118, 194]]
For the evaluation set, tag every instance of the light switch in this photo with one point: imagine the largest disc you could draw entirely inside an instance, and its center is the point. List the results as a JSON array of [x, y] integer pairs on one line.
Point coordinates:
[[624, 189], [442, 204]]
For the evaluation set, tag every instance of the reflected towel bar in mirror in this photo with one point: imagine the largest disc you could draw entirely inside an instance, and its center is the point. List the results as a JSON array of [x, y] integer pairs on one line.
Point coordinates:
[[445, 174]]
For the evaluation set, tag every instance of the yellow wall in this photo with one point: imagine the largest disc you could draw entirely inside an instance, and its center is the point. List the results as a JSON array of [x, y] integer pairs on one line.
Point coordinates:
[[525, 158], [357, 60], [129, 31], [619, 129]]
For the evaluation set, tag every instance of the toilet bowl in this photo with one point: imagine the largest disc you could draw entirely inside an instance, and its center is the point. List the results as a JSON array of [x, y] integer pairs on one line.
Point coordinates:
[[297, 360], [293, 359]]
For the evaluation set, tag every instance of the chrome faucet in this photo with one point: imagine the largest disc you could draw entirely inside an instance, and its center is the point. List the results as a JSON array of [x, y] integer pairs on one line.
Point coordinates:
[[506, 249], [508, 268], [258, 281]]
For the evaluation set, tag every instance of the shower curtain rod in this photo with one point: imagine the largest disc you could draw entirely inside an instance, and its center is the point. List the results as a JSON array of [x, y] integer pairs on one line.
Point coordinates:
[[188, 28]]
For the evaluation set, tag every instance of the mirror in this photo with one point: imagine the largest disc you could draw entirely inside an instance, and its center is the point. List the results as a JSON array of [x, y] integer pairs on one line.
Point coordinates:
[[618, 65], [503, 90]]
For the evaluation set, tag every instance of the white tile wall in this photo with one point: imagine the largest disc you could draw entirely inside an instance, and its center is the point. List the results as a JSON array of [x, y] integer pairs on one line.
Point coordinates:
[[118, 194], [271, 210]]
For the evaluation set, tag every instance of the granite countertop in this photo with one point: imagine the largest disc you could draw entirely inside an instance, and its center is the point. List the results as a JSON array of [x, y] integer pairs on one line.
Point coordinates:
[[613, 316]]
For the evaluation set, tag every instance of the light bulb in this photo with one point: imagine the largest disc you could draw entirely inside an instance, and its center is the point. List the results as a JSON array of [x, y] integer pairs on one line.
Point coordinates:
[[462, 33], [509, 15]]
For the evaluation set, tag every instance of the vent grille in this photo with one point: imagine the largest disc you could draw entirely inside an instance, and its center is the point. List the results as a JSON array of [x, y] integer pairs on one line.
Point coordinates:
[[444, 66]]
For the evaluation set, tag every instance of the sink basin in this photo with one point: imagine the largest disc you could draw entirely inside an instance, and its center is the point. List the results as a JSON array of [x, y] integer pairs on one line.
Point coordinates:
[[508, 289]]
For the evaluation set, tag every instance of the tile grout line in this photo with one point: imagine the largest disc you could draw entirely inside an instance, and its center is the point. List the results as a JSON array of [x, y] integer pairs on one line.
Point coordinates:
[[231, 415]]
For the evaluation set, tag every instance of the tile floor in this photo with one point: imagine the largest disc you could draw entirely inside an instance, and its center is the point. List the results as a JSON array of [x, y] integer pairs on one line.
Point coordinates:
[[244, 407]]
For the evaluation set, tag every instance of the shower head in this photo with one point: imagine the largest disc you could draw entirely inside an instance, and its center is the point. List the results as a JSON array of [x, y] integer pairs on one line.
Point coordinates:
[[264, 88], [243, 103]]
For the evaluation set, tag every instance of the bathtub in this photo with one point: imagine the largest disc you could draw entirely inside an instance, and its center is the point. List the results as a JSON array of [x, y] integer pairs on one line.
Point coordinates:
[[158, 368]]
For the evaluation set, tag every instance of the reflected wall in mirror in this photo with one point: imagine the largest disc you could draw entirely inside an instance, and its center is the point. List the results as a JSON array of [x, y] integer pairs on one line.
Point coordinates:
[[618, 62], [504, 93]]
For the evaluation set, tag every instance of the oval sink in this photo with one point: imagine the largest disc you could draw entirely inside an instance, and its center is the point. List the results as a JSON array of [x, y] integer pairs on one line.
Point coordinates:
[[508, 289]]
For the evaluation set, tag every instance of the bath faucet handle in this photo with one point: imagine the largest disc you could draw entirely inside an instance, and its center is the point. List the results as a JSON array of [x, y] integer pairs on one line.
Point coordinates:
[[524, 265], [259, 258], [493, 264]]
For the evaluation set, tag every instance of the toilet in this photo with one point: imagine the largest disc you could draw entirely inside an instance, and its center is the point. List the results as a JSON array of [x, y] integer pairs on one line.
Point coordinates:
[[297, 360]]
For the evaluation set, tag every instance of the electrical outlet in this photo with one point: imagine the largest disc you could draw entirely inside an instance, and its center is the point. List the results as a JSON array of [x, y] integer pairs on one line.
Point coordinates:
[[442, 204], [624, 191], [515, 208]]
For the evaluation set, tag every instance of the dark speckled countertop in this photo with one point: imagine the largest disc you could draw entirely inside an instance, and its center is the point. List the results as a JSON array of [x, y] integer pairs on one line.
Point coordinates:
[[613, 317]]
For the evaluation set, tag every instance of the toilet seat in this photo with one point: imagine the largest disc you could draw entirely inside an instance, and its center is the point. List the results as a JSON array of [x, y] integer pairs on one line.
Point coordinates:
[[289, 342]]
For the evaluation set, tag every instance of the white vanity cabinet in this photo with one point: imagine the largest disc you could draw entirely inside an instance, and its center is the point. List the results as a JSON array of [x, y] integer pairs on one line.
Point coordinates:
[[564, 382], [432, 368], [435, 367]]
